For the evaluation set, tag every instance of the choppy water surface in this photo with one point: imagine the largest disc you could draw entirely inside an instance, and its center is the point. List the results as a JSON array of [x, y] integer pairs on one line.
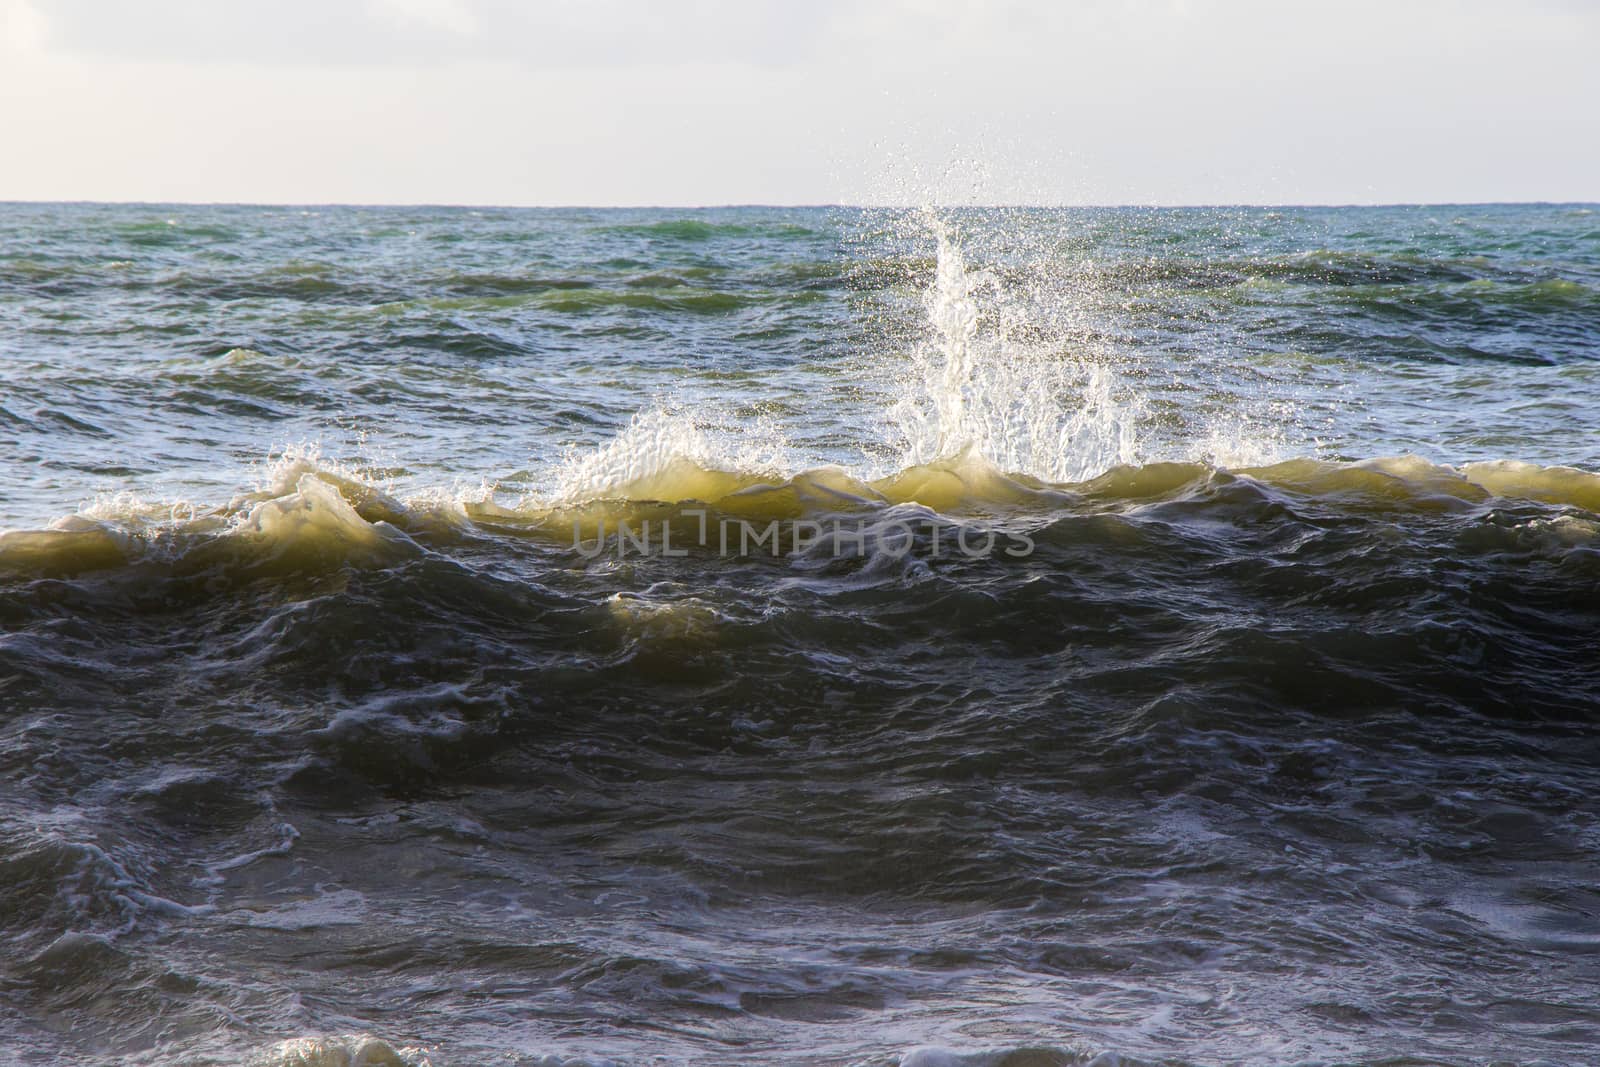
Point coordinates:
[[343, 717]]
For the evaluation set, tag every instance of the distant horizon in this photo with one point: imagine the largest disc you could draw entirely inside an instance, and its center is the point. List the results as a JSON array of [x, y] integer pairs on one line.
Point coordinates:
[[819, 205]]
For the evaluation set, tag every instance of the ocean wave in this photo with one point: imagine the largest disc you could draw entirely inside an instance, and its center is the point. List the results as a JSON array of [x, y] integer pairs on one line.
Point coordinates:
[[1101, 661], [313, 520], [680, 299], [313, 517], [702, 230]]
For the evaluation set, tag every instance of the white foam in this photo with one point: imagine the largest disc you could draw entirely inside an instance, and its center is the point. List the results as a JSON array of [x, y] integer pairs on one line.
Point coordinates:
[[660, 439], [351, 1050]]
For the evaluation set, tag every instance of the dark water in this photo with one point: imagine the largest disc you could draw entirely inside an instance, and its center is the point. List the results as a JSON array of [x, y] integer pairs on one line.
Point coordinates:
[[345, 718]]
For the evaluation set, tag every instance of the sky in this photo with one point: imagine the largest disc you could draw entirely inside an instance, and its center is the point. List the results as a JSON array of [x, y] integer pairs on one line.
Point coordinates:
[[689, 102]]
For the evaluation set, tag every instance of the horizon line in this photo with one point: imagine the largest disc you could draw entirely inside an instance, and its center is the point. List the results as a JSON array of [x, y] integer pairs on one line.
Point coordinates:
[[817, 205]]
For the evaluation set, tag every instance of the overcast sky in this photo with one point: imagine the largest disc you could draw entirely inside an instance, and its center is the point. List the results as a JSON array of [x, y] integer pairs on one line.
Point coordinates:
[[810, 101]]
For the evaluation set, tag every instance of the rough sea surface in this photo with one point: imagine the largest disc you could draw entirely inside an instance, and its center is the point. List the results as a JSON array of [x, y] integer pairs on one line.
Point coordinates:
[[1175, 637]]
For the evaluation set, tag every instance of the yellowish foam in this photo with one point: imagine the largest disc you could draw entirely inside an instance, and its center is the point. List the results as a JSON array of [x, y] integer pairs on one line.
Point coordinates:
[[312, 517]]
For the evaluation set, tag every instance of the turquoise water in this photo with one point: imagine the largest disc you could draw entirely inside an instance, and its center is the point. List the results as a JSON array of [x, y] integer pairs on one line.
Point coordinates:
[[799, 635]]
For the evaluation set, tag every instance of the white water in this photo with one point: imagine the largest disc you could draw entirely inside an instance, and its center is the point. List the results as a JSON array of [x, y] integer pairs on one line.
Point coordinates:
[[970, 386], [976, 385]]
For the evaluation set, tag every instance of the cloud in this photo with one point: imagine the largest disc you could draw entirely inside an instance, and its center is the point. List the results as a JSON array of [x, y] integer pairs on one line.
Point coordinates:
[[639, 101], [563, 34], [450, 16], [546, 35], [22, 28]]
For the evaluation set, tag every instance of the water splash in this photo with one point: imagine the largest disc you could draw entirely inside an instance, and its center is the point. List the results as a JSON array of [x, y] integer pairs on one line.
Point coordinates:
[[986, 380], [993, 370], [1005, 356]]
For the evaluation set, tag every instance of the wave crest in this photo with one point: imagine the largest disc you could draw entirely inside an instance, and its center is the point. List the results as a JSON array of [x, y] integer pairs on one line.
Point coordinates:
[[315, 518]]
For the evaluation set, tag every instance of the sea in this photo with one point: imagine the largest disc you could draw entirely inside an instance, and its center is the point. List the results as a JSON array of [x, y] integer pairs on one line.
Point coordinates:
[[932, 636]]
